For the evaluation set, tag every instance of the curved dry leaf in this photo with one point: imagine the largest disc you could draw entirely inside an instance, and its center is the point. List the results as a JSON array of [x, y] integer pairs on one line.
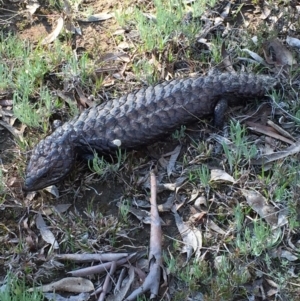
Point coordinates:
[[265, 12], [97, 17], [6, 103], [142, 215], [291, 150], [53, 190], [32, 6], [213, 226], [67, 8], [280, 130], [276, 53], [149, 16], [55, 33], [260, 205], [119, 32], [57, 297], [283, 217], [226, 11], [166, 207], [192, 237], [272, 292], [293, 42], [269, 131], [201, 200], [226, 59], [255, 56], [116, 56], [125, 45], [272, 283], [12, 130], [68, 284], [47, 235], [61, 208], [288, 255], [220, 175], [172, 161]]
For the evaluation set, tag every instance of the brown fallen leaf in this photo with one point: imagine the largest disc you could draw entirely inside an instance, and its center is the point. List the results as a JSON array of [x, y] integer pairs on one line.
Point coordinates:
[[166, 206], [191, 236], [266, 11], [280, 130], [53, 190], [293, 42], [268, 131], [291, 150], [12, 130], [288, 255], [116, 56], [46, 234], [276, 53], [257, 58], [218, 175], [6, 102], [55, 33], [260, 205], [226, 59], [68, 97], [142, 215], [32, 6], [84, 101], [59, 208], [68, 284], [213, 226], [173, 159], [97, 17], [57, 297], [197, 218]]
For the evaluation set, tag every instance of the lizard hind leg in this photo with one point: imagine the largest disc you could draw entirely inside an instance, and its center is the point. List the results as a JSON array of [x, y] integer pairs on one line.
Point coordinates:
[[219, 112]]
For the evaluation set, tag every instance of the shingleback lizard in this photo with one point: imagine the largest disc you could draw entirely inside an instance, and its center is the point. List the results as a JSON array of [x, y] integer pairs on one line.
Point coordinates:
[[138, 119]]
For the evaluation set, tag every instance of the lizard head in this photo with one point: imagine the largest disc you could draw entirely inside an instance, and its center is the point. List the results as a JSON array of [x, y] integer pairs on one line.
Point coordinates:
[[51, 160]]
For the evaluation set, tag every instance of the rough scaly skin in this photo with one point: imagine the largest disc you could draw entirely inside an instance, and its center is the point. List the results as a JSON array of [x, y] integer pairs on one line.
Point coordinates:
[[137, 119]]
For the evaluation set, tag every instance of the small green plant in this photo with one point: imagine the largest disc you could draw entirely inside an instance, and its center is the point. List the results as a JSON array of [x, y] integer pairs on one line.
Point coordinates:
[[166, 23], [23, 71], [179, 134], [124, 210], [256, 240], [201, 175], [145, 71], [104, 168], [240, 148], [194, 274], [15, 290], [215, 50]]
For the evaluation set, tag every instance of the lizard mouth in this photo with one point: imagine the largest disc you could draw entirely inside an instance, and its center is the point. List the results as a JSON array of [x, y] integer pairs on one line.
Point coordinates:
[[33, 185]]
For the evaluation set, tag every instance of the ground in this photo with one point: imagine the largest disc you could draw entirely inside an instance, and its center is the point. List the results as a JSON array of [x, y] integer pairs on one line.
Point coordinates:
[[245, 250]]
